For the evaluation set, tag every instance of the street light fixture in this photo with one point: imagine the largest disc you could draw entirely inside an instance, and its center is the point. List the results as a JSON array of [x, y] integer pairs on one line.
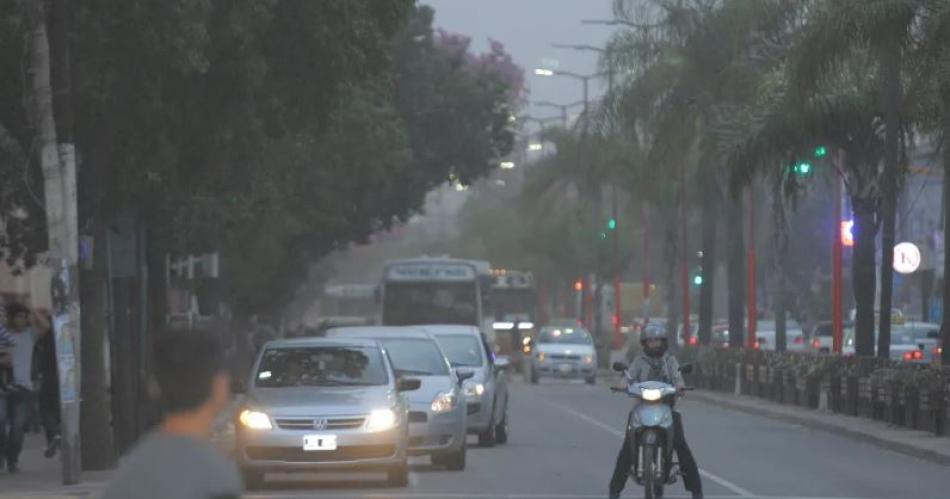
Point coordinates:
[[536, 146], [507, 165], [543, 72]]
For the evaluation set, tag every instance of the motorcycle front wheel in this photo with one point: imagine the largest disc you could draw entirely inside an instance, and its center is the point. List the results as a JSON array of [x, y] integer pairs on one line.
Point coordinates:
[[649, 471]]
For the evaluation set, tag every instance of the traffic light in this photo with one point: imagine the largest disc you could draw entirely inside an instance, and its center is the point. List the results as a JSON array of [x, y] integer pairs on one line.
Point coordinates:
[[612, 224], [579, 285], [698, 279], [821, 151], [803, 169]]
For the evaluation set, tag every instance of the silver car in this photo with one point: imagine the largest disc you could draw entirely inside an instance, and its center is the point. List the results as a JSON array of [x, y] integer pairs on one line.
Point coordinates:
[[486, 394], [437, 419], [316, 404], [564, 352]]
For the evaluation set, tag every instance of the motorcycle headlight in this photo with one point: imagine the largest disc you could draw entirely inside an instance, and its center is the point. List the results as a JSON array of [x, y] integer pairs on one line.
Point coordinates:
[[443, 402], [381, 419], [255, 420], [474, 389], [651, 394]]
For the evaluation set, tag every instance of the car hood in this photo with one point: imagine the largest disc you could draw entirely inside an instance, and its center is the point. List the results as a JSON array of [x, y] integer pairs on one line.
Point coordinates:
[[565, 348], [308, 400]]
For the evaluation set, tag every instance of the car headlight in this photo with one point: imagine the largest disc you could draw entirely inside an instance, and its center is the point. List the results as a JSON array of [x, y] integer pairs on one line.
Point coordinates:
[[443, 402], [589, 359], [474, 389], [381, 419], [255, 420], [541, 356], [651, 394]]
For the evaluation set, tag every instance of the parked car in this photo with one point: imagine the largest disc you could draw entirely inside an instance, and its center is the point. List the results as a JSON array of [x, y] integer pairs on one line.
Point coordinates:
[[566, 352], [316, 404], [437, 411], [486, 394], [822, 336], [794, 336]]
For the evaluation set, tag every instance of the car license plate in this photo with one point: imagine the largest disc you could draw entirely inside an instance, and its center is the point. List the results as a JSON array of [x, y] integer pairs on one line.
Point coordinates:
[[319, 442], [566, 368]]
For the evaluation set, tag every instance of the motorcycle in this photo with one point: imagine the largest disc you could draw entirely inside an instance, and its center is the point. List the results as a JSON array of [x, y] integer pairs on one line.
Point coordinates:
[[650, 432]]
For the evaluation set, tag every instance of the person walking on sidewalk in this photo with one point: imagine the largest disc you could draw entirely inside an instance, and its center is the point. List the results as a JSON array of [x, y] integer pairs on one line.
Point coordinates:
[[177, 460], [48, 390], [17, 396]]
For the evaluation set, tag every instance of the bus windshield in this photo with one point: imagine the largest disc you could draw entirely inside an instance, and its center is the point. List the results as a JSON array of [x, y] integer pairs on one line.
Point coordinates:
[[409, 303]]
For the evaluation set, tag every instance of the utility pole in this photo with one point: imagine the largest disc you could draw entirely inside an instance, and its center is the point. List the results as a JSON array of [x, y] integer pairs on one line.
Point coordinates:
[[57, 159], [752, 305], [837, 324]]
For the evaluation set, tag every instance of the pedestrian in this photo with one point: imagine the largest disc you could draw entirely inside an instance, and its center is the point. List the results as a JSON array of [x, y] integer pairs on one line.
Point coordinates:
[[48, 393], [17, 398], [177, 459]]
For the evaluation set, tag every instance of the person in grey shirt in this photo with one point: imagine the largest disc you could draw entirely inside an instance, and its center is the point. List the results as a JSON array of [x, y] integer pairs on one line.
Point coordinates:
[[177, 460]]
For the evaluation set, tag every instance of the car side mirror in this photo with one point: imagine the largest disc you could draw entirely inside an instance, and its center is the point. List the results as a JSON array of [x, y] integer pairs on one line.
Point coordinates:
[[686, 368], [408, 384], [619, 367], [502, 362], [464, 374]]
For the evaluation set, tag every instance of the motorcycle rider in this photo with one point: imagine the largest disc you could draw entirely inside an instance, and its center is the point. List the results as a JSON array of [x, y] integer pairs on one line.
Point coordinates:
[[654, 363]]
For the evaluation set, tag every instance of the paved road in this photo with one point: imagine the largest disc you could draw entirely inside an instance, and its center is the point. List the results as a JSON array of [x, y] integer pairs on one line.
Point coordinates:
[[565, 437]]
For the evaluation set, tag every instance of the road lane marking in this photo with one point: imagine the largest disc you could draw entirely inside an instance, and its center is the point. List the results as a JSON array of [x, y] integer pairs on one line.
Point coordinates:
[[610, 429], [457, 495]]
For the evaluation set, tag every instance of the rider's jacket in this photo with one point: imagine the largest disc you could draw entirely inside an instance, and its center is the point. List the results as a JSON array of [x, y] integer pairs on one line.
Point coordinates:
[[665, 369]]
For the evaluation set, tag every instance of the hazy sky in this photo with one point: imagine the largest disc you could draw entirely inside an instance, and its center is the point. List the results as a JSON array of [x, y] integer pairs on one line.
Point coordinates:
[[527, 28]]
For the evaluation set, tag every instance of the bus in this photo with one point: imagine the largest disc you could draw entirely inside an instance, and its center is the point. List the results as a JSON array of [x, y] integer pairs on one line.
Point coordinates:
[[513, 299], [349, 300], [429, 290]]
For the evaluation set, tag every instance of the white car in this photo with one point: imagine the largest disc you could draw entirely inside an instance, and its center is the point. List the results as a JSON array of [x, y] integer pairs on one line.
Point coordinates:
[[794, 336], [564, 352]]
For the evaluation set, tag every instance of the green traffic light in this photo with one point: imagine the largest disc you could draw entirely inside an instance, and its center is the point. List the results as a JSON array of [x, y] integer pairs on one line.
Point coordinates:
[[821, 151], [698, 279], [802, 169], [612, 224], [603, 235]]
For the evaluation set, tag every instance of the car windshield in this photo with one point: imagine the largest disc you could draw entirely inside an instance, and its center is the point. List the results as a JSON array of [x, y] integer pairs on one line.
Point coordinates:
[[321, 366], [573, 336], [462, 351], [420, 357]]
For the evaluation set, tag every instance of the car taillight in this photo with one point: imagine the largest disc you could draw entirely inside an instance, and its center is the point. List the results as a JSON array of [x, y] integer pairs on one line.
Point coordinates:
[[908, 356], [757, 345], [816, 343], [693, 341], [799, 340], [915, 355], [938, 351]]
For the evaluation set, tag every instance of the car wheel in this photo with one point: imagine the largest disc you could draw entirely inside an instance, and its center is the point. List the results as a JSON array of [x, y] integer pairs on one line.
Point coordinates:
[[591, 380], [487, 437], [454, 461], [253, 480], [501, 429], [398, 475]]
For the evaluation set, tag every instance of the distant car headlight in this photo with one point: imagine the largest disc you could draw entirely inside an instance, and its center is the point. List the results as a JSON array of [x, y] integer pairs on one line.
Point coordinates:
[[651, 394], [525, 325], [381, 419], [474, 389], [255, 420], [443, 402], [589, 359]]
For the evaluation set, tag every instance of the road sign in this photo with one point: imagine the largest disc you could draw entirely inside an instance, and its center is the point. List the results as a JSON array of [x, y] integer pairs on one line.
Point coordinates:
[[906, 258]]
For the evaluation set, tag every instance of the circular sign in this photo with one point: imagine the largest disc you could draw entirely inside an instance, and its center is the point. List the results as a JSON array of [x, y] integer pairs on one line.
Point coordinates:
[[906, 258]]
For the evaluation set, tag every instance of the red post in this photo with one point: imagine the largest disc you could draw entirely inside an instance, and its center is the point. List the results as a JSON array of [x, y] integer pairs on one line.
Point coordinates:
[[753, 312], [836, 277]]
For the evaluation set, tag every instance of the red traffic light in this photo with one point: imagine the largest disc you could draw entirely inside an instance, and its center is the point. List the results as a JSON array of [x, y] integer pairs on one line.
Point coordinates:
[[578, 285]]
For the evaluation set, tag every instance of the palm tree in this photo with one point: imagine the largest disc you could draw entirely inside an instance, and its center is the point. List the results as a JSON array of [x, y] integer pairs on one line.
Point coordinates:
[[835, 33]]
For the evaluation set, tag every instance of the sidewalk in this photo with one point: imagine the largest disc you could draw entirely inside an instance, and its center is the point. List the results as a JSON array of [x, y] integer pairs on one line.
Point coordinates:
[[915, 443], [40, 478]]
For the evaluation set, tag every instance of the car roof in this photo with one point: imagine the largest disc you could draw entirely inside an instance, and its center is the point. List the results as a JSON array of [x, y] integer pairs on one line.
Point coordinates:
[[379, 332], [320, 342], [451, 330]]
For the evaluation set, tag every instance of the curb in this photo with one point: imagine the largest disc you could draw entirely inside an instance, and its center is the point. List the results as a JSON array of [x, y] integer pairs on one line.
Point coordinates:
[[903, 448]]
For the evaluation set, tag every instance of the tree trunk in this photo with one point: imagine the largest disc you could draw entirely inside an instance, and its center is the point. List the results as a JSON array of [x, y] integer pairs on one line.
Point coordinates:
[[57, 161], [708, 261], [945, 310], [863, 276], [673, 305], [780, 240], [736, 269], [891, 95]]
